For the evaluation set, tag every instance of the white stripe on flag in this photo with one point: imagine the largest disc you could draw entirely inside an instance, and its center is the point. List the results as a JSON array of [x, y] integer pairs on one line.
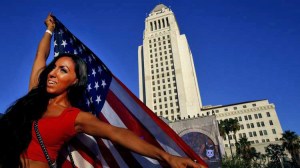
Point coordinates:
[[115, 153], [91, 143], [79, 160], [111, 116]]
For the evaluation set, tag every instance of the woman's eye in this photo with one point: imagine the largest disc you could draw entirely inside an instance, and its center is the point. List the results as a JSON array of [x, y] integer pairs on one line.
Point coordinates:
[[63, 70]]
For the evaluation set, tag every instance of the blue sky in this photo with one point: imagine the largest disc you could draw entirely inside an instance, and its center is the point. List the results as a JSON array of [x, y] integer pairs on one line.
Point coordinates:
[[243, 50]]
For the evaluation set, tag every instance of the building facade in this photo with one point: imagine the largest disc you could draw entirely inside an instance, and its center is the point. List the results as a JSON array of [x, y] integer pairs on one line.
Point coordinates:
[[167, 79], [168, 85], [258, 122]]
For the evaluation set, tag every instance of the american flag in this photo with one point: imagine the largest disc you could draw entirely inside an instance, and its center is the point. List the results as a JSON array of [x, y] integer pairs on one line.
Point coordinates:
[[112, 102]]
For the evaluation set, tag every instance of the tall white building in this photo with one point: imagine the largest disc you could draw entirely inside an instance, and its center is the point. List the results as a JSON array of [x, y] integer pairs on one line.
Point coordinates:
[[258, 120], [167, 79]]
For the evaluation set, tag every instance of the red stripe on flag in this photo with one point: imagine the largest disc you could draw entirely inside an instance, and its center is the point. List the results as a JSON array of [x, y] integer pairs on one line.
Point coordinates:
[[125, 153], [107, 155], [172, 134], [85, 153]]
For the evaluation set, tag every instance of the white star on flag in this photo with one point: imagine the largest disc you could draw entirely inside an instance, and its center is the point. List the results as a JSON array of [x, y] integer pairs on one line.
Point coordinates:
[[93, 72], [56, 54], [98, 99], [89, 87], [103, 83], [55, 44], [96, 85], [64, 43]]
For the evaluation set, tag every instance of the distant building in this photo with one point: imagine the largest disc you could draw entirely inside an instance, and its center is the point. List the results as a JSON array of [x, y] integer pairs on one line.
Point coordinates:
[[168, 85], [258, 121], [167, 79]]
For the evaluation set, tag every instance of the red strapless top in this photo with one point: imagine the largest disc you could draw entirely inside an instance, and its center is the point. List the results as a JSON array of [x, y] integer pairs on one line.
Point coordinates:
[[55, 131]]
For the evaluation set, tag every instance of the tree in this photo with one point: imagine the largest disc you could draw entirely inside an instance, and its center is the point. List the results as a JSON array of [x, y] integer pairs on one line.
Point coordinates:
[[291, 142], [275, 152], [226, 126]]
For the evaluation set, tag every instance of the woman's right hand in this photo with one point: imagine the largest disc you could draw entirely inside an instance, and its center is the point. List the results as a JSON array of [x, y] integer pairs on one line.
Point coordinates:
[[50, 22]]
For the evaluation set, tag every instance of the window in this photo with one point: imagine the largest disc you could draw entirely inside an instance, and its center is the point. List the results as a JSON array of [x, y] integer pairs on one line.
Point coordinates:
[[226, 145], [263, 140], [240, 118], [252, 125], [258, 124], [267, 140], [254, 105], [259, 115], [246, 118], [265, 132], [240, 135], [255, 115], [268, 114], [226, 109], [261, 133], [256, 141], [250, 117], [274, 131], [254, 133], [262, 124], [244, 106], [242, 126], [234, 108], [276, 139], [250, 134], [271, 122], [244, 134], [248, 125]]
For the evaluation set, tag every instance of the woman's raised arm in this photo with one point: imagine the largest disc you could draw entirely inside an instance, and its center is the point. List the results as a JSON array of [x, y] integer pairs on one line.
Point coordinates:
[[42, 52]]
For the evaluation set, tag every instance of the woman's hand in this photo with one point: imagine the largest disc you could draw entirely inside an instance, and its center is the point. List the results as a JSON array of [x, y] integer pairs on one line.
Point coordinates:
[[180, 162], [50, 23]]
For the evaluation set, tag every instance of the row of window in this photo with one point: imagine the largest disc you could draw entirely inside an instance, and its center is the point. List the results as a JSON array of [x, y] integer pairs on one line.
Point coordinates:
[[164, 93], [159, 24], [163, 75], [158, 39], [251, 134], [235, 108], [159, 49], [258, 124], [161, 63], [159, 100]]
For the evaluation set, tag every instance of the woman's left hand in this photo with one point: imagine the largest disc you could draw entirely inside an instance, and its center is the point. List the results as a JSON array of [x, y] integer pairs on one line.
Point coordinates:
[[180, 162]]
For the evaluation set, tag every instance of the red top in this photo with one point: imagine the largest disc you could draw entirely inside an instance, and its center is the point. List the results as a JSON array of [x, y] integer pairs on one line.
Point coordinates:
[[55, 131]]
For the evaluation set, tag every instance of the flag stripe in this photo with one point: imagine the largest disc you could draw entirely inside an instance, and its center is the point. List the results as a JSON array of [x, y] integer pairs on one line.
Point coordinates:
[[130, 121], [124, 153]]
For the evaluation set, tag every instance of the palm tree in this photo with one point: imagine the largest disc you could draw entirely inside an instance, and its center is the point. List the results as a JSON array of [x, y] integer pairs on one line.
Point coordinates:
[[235, 126], [226, 126], [243, 148], [275, 152], [291, 143]]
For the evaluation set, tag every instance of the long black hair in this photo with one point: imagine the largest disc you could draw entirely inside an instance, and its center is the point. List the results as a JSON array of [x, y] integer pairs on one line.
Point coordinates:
[[16, 123]]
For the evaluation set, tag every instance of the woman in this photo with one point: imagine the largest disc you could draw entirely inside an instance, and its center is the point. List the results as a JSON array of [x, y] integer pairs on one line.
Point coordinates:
[[52, 98]]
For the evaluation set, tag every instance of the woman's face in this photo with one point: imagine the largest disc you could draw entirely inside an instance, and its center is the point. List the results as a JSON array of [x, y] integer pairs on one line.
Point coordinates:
[[62, 76]]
